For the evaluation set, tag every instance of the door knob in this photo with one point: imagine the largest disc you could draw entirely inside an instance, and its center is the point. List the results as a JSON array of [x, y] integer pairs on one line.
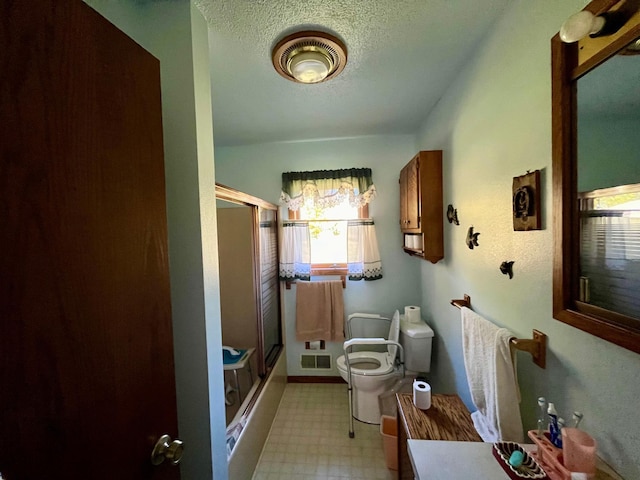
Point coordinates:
[[166, 448]]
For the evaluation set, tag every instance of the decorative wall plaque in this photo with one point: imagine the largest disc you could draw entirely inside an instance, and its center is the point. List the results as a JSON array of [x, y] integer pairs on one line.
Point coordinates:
[[526, 202], [472, 238], [507, 268], [452, 215]]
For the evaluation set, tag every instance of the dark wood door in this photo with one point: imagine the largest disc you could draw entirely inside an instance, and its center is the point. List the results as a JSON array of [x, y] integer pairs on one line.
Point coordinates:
[[86, 356]]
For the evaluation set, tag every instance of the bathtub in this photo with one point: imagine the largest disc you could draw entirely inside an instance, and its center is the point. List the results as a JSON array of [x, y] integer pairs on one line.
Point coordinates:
[[256, 425]]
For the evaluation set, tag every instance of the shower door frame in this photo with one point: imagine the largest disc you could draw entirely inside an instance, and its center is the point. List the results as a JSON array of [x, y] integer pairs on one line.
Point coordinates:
[[231, 195]]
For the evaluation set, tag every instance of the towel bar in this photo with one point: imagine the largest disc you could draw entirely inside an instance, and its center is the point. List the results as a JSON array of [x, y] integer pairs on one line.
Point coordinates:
[[463, 302], [537, 346], [343, 279]]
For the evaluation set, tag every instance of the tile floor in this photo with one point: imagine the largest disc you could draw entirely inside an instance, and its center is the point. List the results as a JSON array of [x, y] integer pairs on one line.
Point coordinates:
[[309, 439]]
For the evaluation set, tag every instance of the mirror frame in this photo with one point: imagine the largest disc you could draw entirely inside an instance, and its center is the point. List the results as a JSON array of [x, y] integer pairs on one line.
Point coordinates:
[[570, 62]]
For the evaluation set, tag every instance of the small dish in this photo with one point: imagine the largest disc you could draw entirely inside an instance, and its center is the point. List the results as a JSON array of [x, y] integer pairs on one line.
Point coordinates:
[[530, 469]]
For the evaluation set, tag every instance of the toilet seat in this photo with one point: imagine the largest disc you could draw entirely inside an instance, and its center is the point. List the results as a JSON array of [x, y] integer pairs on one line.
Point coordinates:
[[381, 358]]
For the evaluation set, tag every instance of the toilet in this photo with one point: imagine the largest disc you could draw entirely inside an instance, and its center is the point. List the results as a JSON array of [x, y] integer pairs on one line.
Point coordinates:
[[374, 373]]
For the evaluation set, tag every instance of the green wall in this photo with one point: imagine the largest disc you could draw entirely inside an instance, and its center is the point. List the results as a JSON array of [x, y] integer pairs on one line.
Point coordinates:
[[608, 152], [494, 123], [257, 169]]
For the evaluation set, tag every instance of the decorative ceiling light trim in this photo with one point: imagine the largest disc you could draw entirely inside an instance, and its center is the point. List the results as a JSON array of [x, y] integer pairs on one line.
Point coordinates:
[[309, 57]]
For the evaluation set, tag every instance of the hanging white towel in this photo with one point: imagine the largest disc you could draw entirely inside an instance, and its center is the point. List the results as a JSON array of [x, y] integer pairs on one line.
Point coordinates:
[[491, 378]]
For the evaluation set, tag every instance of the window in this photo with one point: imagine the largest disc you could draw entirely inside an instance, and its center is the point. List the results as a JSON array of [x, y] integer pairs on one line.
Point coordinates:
[[610, 249], [328, 231], [328, 234]]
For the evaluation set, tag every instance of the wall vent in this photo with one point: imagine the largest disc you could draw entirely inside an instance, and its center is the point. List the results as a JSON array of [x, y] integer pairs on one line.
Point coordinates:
[[315, 362]]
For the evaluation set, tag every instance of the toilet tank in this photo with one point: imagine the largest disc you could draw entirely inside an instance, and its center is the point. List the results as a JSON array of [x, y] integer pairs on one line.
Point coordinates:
[[416, 340]]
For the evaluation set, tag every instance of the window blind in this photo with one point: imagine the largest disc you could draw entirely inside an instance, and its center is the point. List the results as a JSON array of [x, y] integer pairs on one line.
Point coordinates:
[[610, 260]]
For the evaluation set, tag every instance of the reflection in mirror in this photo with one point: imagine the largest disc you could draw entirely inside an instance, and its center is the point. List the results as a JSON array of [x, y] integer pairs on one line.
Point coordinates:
[[608, 176], [595, 143]]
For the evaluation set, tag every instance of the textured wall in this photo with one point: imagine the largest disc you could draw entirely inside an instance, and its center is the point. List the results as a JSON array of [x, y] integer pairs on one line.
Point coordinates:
[[494, 123]]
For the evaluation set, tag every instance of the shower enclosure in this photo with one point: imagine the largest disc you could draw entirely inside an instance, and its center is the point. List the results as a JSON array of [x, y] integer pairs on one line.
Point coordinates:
[[249, 298]]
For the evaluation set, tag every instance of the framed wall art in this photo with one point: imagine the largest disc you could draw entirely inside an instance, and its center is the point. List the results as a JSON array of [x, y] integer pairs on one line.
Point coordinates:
[[526, 202]]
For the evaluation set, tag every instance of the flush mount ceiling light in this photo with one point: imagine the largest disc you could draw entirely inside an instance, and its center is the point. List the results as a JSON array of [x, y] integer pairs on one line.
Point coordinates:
[[309, 57]]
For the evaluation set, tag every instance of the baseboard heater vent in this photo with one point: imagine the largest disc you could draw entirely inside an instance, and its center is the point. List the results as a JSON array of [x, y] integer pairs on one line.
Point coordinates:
[[315, 362]]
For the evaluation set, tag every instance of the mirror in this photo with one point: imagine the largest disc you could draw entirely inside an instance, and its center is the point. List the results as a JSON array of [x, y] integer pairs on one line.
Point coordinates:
[[608, 176], [596, 181]]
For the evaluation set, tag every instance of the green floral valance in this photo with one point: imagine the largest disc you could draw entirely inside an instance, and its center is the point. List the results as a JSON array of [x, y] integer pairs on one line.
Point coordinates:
[[327, 188]]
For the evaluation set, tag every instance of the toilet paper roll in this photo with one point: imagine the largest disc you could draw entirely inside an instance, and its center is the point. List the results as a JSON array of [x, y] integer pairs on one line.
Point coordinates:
[[421, 395], [412, 314]]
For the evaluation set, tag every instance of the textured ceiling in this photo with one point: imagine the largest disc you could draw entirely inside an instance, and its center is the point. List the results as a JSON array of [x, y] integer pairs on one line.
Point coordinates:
[[402, 54]]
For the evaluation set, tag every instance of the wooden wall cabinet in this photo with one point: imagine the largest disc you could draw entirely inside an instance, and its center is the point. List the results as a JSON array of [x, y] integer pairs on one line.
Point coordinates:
[[421, 210]]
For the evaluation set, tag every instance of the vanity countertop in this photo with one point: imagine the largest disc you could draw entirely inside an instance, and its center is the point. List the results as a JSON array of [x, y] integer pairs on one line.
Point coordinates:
[[442, 460], [445, 460]]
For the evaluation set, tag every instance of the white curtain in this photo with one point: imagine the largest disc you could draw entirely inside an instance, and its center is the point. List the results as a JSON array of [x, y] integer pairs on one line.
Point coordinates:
[[363, 256], [295, 251], [324, 189]]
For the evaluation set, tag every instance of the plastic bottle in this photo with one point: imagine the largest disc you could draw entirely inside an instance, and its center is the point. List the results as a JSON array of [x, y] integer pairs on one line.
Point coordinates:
[[559, 437], [553, 423], [541, 416], [577, 418]]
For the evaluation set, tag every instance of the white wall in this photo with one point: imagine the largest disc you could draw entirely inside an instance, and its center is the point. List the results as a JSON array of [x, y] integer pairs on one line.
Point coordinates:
[[494, 123], [257, 169], [176, 34]]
